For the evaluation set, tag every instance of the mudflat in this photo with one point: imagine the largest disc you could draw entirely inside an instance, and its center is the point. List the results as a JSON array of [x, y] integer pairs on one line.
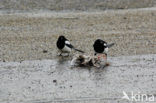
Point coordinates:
[[32, 36]]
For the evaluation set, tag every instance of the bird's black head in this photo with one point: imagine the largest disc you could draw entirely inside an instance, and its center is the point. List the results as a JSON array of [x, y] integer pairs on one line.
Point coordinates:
[[62, 38], [100, 43], [99, 46], [61, 42]]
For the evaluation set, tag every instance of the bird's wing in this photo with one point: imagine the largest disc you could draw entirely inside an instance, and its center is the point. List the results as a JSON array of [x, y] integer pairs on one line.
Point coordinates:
[[67, 43]]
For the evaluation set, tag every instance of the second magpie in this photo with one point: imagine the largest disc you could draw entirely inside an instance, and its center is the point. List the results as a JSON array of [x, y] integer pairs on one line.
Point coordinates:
[[101, 46]]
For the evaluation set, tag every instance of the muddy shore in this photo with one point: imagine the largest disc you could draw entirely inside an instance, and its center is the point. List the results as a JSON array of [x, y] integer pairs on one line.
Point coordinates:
[[32, 36]]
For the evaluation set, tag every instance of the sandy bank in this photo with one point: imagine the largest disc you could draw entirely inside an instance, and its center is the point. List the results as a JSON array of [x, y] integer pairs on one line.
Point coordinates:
[[25, 36]]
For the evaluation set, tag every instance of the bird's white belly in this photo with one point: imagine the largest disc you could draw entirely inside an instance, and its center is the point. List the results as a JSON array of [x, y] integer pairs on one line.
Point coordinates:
[[66, 49], [106, 50]]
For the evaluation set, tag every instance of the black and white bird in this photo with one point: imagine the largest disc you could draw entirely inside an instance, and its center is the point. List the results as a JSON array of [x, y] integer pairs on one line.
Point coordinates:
[[101, 46], [65, 46]]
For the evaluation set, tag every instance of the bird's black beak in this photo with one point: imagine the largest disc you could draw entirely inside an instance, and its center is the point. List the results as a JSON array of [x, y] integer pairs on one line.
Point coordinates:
[[110, 45]]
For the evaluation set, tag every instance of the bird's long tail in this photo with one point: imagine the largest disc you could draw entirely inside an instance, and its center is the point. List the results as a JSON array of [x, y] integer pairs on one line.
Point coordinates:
[[110, 45], [79, 50]]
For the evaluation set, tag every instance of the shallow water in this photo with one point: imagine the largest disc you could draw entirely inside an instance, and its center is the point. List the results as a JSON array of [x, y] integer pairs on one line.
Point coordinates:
[[50, 81]]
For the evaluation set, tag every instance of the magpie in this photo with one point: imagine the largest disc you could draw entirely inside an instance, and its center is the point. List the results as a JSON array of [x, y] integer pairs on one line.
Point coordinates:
[[65, 46], [101, 46]]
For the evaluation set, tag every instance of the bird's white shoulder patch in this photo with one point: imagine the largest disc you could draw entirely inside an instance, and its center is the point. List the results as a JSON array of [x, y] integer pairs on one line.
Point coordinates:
[[105, 44], [67, 42]]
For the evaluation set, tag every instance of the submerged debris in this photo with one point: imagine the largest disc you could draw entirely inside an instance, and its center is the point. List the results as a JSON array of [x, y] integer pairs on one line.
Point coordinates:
[[45, 51], [54, 81]]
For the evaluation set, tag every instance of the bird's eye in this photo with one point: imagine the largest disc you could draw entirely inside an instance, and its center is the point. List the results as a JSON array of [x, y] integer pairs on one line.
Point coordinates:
[[105, 44]]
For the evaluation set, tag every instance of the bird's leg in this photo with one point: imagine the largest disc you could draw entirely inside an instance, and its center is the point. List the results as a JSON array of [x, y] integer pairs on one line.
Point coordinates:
[[94, 54], [60, 54]]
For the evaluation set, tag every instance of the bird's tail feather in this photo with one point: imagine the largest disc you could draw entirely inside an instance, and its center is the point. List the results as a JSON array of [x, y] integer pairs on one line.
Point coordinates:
[[110, 45], [79, 50]]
